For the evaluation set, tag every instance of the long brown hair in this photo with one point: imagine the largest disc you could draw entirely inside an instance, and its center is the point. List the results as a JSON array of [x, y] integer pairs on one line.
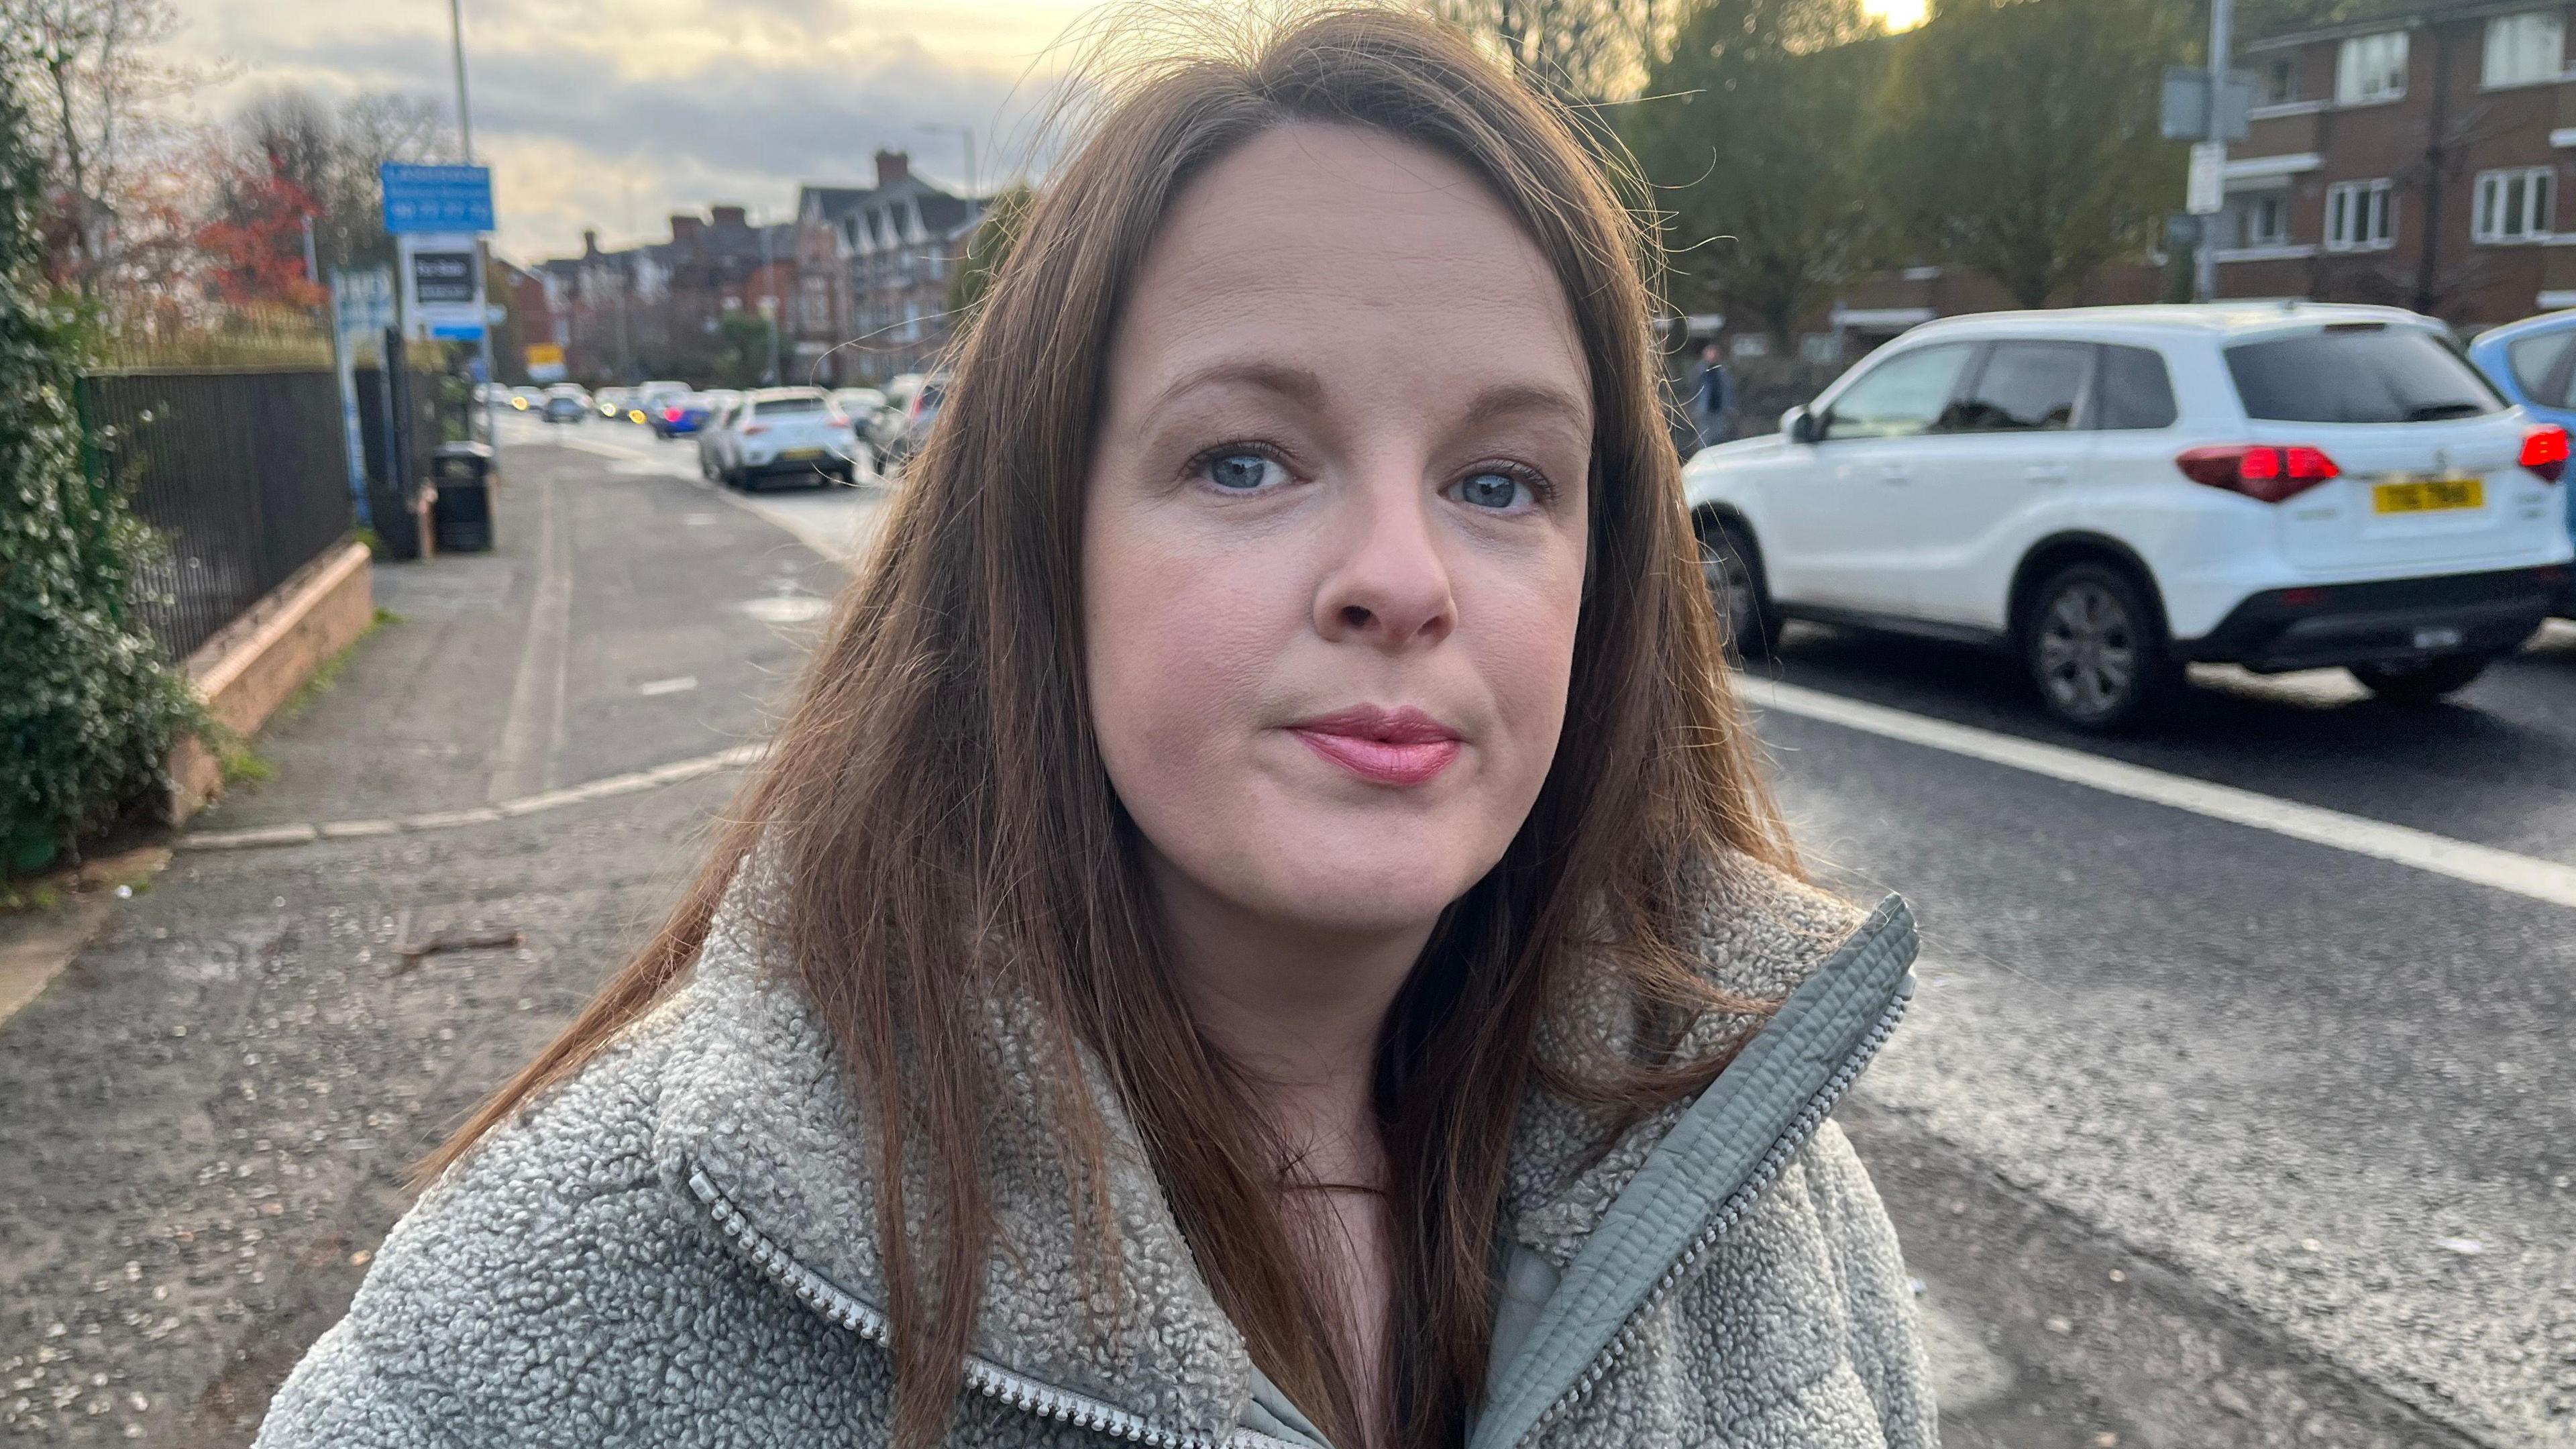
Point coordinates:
[[946, 829]]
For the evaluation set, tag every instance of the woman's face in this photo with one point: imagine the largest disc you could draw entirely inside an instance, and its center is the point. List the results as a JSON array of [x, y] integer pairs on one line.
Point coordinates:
[[1333, 548]]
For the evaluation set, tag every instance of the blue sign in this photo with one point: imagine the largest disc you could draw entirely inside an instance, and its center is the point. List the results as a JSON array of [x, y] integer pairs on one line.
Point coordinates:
[[436, 198]]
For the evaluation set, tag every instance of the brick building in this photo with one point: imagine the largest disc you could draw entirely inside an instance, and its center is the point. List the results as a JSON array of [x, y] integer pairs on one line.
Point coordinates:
[[2414, 158]]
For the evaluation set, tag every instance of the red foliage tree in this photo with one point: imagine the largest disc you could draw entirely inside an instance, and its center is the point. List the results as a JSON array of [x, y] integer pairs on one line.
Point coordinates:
[[253, 244]]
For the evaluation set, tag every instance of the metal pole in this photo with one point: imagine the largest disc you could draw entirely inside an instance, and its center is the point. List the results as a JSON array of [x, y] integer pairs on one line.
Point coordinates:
[[2204, 281], [777, 306], [482, 256]]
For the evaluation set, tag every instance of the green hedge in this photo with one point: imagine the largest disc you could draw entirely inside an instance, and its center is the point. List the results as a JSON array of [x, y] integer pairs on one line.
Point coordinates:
[[89, 705]]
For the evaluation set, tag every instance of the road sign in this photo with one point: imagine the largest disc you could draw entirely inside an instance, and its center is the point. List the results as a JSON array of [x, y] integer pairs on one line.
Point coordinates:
[[2186, 105], [436, 198], [545, 362], [2207, 193], [443, 285]]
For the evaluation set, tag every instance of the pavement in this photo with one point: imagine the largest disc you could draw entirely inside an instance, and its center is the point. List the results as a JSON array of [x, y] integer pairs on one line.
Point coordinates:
[[2199, 1133]]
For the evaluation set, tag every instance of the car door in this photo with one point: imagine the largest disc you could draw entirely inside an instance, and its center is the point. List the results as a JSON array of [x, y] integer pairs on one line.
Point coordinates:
[[1831, 531], [2017, 437]]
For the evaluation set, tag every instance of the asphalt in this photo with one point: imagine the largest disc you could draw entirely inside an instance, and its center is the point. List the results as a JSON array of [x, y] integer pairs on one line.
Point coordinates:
[[2196, 1135]]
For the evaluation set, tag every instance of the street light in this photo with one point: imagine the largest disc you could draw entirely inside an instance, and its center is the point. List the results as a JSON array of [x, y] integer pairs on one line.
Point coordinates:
[[482, 264], [965, 132]]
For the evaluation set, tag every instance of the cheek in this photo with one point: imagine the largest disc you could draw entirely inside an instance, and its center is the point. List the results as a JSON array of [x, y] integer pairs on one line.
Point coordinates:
[[1520, 625]]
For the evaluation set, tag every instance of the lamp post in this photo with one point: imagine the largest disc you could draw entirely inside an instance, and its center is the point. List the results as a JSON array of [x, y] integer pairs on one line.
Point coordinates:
[[967, 134], [482, 266]]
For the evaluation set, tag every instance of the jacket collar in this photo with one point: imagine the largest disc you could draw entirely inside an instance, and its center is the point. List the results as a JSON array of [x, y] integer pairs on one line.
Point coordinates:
[[758, 1119]]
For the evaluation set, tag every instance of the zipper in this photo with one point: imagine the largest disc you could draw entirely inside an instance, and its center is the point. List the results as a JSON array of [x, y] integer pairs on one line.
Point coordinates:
[[989, 1379], [1787, 1145]]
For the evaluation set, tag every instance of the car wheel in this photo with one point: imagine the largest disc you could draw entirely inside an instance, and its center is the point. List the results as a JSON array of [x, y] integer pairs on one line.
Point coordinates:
[[2421, 683], [1750, 627], [2096, 650]]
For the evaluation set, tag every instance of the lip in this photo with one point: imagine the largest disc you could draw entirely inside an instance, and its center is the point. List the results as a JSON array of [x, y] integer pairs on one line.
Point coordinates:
[[1400, 747]]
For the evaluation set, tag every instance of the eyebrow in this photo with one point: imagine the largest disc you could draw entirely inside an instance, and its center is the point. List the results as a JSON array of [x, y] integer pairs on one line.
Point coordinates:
[[1305, 387]]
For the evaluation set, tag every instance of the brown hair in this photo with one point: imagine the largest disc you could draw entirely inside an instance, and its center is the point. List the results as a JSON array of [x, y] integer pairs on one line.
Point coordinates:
[[946, 829]]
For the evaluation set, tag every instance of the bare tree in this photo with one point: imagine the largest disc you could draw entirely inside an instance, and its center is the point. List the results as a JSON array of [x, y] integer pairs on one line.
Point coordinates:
[[91, 62], [332, 154], [1584, 52]]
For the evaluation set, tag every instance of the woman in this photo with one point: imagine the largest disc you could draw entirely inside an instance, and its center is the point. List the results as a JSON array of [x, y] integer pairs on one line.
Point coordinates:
[[1262, 926]]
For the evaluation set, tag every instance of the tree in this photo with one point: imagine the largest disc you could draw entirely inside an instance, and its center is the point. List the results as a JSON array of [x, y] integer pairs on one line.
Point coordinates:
[[743, 345], [332, 156], [254, 244], [88, 703], [1583, 52], [90, 62], [1751, 135], [2020, 137], [996, 233]]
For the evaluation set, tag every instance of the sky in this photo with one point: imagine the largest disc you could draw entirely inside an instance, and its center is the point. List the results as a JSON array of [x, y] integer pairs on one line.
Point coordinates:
[[614, 113]]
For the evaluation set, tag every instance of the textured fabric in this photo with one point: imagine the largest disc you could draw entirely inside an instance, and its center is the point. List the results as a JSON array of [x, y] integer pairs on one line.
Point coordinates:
[[678, 1248]]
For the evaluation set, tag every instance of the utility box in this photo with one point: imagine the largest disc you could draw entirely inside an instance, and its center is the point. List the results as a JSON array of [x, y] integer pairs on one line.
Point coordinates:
[[462, 515]]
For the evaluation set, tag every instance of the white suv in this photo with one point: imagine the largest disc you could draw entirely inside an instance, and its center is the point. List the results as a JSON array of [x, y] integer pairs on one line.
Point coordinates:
[[781, 431], [2112, 492]]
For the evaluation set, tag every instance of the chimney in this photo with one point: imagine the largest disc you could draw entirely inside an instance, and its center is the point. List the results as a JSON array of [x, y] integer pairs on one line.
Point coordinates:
[[686, 227], [893, 166], [589, 242], [727, 218]]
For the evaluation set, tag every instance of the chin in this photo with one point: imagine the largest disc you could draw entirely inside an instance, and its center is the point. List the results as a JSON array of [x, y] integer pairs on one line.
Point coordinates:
[[1371, 882]]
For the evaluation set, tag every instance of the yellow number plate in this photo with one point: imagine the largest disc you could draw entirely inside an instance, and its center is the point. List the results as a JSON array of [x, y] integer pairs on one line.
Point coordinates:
[[2428, 495], [802, 453]]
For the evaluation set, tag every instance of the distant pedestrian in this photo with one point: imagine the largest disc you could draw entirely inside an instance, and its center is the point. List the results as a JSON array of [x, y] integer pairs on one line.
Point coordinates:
[[1713, 402], [1263, 924]]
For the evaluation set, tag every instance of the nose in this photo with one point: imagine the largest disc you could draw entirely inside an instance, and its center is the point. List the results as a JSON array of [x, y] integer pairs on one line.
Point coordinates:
[[1388, 585]]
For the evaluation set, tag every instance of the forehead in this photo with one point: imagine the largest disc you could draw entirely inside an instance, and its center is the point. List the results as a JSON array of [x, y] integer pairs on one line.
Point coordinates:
[[1380, 263]]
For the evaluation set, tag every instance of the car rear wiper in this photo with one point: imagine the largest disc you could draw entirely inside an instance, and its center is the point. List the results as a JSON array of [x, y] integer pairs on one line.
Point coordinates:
[[2431, 412]]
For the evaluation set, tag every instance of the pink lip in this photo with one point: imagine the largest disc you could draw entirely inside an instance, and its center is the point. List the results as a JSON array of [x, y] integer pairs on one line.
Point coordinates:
[[1382, 746]]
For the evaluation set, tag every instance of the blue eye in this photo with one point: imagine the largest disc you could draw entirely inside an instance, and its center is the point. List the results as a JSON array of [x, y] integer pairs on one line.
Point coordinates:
[[1242, 472], [1492, 490]]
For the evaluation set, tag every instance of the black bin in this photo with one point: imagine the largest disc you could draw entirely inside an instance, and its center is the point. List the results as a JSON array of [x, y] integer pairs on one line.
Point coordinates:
[[462, 516]]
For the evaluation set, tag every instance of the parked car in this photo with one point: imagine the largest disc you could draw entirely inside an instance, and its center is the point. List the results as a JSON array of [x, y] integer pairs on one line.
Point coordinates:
[[526, 399], [2113, 492], [678, 415], [863, 406], [609, 402], [2534, 362], [920, 412], [782, 432]]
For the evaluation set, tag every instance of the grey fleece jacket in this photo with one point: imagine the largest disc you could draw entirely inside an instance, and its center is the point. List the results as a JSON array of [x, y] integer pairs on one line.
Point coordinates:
[[677, 1248]]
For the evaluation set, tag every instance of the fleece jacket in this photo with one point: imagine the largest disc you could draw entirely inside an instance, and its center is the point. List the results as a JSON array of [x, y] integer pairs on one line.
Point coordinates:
[[678, 1246]]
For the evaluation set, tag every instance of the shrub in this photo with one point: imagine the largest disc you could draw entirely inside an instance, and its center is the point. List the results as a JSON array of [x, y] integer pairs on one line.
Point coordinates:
[[89, 704]]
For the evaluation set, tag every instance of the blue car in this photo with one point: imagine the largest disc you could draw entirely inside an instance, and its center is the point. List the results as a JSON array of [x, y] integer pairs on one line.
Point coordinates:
[[679, 415], [2534, 362]]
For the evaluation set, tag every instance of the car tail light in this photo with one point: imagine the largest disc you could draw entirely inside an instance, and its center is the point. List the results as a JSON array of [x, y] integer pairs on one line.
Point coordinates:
[[753, 430], [2544, 451], [670, 415], [2258, 471]]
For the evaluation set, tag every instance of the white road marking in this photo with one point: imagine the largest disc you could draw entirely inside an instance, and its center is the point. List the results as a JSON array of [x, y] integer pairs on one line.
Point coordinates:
[[626, 784], [680, 685], [2522, 875]]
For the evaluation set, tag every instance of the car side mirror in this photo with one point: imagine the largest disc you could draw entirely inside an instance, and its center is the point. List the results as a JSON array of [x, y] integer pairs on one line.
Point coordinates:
[[1801, 426]]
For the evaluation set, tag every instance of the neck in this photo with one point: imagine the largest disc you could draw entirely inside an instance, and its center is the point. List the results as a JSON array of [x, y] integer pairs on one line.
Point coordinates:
[[1298, 1011]]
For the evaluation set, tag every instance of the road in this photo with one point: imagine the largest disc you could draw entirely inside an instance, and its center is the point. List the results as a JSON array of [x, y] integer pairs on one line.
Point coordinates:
[[2199, 1132]]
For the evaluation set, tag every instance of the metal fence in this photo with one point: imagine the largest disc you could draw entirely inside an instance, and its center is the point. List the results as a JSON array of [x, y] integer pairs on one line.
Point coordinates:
[[242, 471]]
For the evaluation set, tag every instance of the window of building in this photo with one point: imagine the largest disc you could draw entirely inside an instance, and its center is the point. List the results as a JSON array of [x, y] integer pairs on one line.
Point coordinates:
[[912, 321], [2372, 68], [2256, 219], [2281, 81], [1749, 344], [2513, 205], [2523, 48], [2358, 216]]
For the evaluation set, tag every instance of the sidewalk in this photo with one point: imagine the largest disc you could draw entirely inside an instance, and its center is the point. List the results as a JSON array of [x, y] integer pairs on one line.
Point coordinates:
[[211, 1111]]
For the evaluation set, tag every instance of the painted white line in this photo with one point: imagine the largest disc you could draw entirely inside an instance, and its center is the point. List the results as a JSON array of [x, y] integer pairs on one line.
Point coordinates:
[[626, 784], [2522, 875], [681, 684]]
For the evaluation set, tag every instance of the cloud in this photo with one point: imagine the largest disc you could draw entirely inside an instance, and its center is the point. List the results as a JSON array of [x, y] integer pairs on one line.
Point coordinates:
[[612, 117]]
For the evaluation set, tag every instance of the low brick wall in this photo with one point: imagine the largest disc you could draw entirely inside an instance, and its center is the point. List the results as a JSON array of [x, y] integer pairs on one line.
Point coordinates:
[[258, 661]]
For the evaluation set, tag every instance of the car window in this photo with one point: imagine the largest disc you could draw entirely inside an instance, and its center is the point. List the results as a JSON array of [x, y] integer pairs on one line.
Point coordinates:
[[2023, 387], [2132, 389], [1901, 396], [2538, 363], [2358, 373], [776, 406]]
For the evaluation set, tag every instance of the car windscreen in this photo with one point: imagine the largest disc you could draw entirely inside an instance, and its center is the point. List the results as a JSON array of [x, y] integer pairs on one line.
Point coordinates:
[[770, 407], [2366, 373]]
